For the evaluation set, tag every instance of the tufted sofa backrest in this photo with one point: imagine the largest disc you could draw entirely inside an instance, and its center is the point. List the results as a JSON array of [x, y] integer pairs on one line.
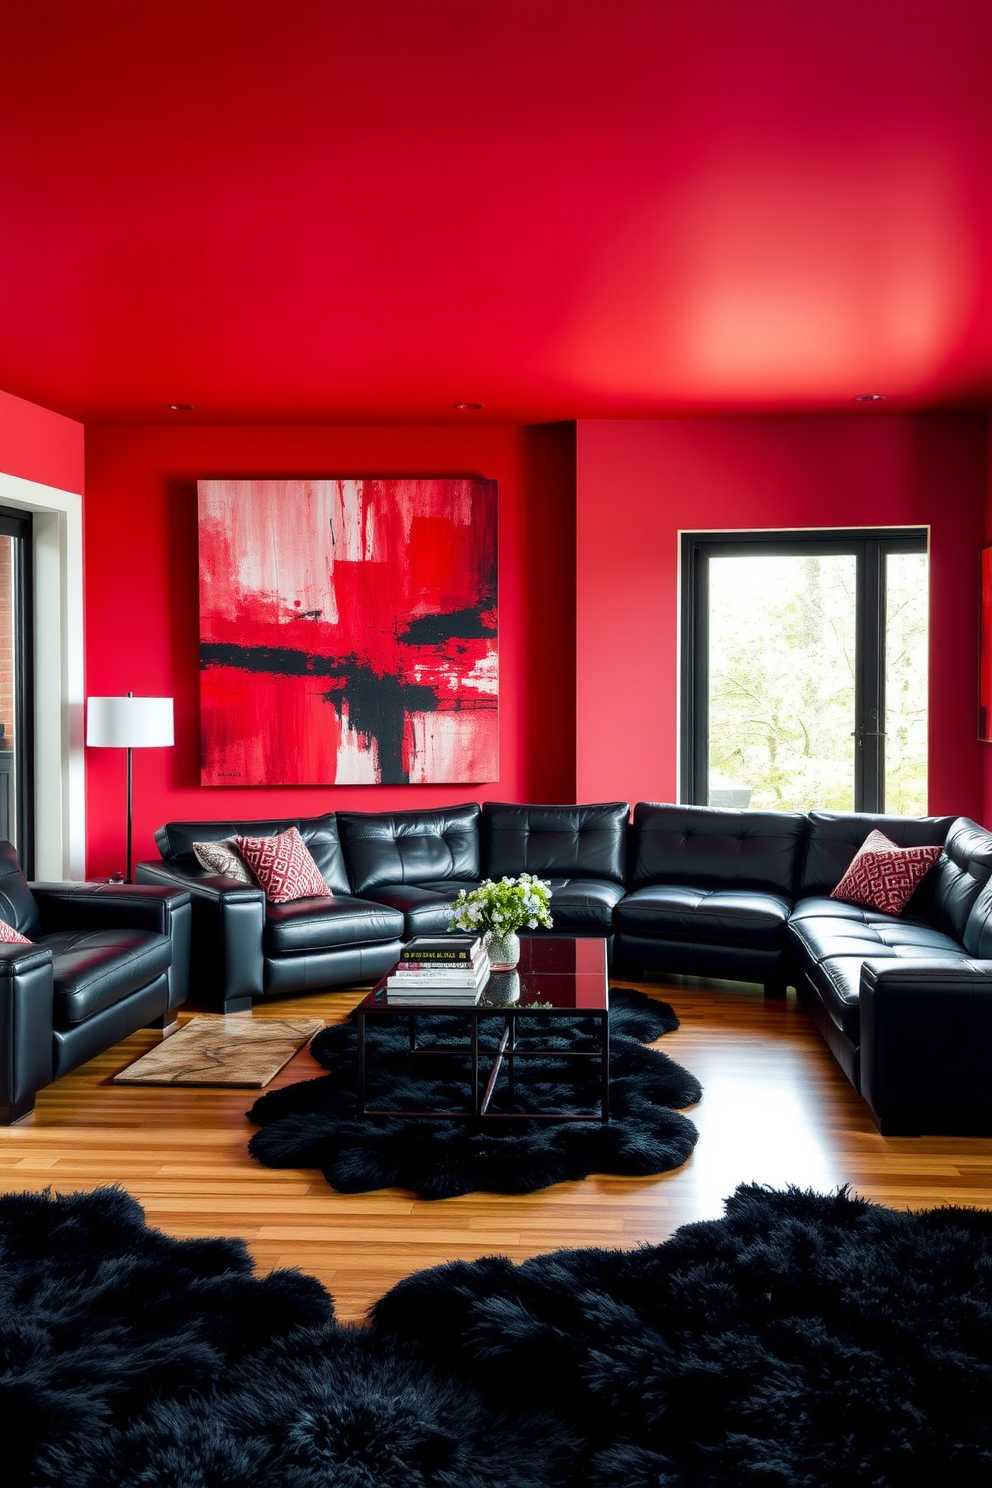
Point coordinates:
[[712, 847], [958, 879], [556, 841], [398, 847], [320, 833], [17, 903], [833, 838]]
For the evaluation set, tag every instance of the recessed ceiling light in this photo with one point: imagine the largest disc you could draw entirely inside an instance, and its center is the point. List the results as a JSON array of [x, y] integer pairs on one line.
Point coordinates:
[[181, 407], [869, 397], [468, 407]]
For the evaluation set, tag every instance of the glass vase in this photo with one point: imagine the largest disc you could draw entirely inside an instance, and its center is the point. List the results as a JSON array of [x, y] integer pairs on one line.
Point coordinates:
[[504, 951], [502, 989]]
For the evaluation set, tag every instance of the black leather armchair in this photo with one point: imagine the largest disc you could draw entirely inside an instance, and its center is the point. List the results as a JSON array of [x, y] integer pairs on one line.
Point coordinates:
[[105, 960], [244, 949]]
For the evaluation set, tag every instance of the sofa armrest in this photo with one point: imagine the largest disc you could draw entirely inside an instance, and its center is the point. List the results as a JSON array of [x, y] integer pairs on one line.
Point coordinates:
[[926, 1045], [228, 917], [99, 906], [26, 1028], [210, 886]]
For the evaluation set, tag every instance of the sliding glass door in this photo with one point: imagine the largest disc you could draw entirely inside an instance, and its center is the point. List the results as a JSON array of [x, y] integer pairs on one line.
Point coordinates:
[[16, 686], [804, 670], [905, 676]]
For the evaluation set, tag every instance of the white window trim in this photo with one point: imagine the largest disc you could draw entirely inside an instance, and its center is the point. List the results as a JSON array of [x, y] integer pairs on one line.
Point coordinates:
[[60, 785]]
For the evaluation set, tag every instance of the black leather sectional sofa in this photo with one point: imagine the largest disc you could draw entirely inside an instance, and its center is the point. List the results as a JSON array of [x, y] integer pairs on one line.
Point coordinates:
[[392, 875], [905, 1003]]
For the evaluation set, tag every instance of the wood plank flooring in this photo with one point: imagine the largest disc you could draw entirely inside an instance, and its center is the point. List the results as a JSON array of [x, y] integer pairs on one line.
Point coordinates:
[[776, 1109]]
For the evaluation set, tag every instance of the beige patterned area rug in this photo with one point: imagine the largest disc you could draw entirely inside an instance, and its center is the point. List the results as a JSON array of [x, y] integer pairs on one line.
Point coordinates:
[[222, 1051]]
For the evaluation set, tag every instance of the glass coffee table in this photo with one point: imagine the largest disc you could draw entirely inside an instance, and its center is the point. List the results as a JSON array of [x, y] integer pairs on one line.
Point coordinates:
[[558, 977]]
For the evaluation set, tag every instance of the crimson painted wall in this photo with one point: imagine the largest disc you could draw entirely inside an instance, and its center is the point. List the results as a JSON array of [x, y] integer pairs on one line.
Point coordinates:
[[987, 748], [39, 445], [640, 483], [141, 605]]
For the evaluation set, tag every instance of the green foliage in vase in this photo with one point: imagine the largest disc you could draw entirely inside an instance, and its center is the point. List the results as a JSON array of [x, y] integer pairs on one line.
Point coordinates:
[[504, 907]]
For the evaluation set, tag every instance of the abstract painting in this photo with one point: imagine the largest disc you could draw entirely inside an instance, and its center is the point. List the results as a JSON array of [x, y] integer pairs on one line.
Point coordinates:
[[985, 652], [348, 632]]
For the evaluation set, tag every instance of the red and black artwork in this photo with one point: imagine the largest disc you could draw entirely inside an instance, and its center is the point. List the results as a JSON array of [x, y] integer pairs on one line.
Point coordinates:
[[985, 652], [348, 632]]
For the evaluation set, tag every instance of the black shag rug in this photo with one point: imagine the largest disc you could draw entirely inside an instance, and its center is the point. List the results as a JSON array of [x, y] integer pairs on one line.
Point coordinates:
[[313, 1124], [804, 1341]]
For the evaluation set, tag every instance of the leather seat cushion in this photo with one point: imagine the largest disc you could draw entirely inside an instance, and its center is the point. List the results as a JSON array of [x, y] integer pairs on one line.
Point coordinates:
[[323, 924], [744, 917], [584, 903], [873, 934], [426, 907], [820, 906], [576, 903], [93, 969]]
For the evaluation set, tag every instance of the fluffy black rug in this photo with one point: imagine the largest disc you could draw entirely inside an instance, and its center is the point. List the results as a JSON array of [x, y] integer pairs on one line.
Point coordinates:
[[802, 1340], [313, 1124]]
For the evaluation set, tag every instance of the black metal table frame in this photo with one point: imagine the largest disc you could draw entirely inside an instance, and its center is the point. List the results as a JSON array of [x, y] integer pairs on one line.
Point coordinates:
[[506, 1050]]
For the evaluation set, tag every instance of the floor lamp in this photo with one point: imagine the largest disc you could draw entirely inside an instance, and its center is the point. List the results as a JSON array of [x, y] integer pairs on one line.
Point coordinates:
[[129, 723]]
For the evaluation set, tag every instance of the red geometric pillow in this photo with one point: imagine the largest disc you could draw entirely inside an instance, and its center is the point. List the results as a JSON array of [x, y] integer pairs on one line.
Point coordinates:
[[10, 936], [284, 867], [883, 876]]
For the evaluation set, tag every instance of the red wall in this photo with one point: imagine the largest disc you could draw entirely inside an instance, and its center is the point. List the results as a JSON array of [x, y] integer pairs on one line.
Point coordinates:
[[640, 483], [141, 605], [39, 445]]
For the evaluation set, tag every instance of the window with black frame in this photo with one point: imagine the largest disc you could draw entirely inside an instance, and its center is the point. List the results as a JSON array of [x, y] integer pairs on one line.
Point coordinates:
[[16, 685], [804, 670]]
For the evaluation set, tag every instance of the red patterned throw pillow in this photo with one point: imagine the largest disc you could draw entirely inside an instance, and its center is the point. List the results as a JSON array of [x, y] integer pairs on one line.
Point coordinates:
[[283, 866], [10, 936], [883, 876]]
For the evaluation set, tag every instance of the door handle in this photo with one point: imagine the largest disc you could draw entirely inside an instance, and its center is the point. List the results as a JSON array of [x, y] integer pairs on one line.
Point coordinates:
[[862, 734]]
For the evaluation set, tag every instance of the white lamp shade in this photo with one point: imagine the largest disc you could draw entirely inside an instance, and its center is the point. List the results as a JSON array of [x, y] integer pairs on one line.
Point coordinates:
[[129, 722]]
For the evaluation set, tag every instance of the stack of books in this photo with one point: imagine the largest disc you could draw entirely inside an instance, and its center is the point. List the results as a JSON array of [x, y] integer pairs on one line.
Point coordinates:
[[443, 969]]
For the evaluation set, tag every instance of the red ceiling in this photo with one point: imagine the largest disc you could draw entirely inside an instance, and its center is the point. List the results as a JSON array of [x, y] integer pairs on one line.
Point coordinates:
[[378, 208]]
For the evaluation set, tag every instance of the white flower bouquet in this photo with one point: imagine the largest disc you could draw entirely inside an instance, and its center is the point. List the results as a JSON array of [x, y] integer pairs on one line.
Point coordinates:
[[503, 908]]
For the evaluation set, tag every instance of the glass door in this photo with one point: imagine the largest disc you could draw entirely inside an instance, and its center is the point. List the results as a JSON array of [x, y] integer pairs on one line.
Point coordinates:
[[16, 686], [804, 667], [906, 659], [781, 698]]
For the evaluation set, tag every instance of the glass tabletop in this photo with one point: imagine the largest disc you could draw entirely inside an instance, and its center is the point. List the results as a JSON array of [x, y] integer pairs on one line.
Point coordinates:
[[555, 973]]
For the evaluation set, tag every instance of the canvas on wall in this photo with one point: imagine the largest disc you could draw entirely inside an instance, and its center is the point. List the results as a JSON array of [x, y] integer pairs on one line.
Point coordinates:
[[985, 652], [348, 632]]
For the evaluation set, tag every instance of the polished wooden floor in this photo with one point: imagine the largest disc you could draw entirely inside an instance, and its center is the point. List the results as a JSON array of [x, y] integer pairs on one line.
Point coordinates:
[[776, 1109]]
